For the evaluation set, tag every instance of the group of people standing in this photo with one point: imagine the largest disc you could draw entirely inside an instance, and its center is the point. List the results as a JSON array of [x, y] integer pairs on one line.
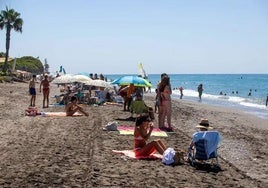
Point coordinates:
[[163, 101], [71, 107], [164, 92], [32, 90]]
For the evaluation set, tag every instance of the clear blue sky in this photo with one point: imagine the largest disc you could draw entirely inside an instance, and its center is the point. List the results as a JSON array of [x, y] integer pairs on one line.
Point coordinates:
[[172, 36]]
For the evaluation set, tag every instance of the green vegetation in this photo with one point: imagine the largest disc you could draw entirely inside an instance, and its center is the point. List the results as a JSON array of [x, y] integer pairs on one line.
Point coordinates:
[[30, 64], [27, 63]]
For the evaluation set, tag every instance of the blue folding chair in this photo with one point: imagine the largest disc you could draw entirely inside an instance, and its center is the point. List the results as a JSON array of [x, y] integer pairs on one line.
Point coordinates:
[[205, 147]]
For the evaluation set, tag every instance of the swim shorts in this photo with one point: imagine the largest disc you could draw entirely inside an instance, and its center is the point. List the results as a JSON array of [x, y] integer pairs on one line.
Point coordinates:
[[32, 91]]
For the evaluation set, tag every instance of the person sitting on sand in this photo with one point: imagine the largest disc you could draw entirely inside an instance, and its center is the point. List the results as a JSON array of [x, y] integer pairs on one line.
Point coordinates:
[[203, 128], [73, 107], [142, 133], [139, 107]]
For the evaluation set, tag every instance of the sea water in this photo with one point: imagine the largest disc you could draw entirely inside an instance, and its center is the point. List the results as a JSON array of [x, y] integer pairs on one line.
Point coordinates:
[[246, 92]]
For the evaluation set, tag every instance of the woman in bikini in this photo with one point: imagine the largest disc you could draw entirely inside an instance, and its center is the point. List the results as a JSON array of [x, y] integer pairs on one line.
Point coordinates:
[[45, 84], [142, 133], [73, 107], [165, 97]]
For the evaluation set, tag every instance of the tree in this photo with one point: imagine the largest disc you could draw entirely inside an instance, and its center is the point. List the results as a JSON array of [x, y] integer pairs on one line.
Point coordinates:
[[9, 19]]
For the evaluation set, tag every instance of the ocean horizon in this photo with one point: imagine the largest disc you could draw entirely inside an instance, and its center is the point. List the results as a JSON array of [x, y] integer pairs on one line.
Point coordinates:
[[246, 92]]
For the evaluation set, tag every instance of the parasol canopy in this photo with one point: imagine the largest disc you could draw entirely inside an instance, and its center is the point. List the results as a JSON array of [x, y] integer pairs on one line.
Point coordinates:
[[63, 79], [81, 78], [136, 80], [98, 83]]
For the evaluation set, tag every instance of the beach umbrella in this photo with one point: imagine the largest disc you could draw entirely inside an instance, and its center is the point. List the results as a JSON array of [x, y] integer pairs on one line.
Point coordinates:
[[136, 80], [98, 83], [63, 79], [81, 78], [101, 83]]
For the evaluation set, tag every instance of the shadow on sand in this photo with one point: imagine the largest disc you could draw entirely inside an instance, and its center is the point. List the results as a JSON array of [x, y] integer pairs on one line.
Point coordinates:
[[126, 119]]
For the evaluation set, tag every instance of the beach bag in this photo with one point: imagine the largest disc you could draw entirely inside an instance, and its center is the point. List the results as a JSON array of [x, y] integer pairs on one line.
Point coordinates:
[[168, 156], [172, 157]]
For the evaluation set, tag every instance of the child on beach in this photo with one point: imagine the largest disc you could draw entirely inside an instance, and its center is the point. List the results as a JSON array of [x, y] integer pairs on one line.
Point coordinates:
[[73, 107], [142, 133], [32, 90]]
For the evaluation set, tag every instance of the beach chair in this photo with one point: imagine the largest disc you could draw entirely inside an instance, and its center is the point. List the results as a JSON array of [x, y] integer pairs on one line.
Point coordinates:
[[205, 147], [138, 108]]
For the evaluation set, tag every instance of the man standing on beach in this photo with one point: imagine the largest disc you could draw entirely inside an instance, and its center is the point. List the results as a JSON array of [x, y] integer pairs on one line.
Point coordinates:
[[267, 100], [32, 90], [45, 84]]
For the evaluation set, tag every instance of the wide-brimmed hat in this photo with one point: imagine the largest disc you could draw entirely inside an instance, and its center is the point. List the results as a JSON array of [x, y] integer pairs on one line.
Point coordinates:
[[204, 123], [111, 126]]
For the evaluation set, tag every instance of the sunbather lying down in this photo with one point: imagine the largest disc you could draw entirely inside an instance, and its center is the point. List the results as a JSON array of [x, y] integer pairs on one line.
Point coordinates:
[[32, 111], [73, 107]]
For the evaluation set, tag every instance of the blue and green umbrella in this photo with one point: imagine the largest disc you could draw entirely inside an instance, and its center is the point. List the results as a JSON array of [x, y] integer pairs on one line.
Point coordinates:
[[136, 80]]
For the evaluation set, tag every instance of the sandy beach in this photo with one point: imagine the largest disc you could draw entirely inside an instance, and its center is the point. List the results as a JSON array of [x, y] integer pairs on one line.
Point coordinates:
[[76, 152]]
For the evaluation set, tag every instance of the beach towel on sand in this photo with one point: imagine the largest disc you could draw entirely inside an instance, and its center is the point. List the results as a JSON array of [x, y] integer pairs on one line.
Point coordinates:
[[59, 114], [125, 130], [131, 154]]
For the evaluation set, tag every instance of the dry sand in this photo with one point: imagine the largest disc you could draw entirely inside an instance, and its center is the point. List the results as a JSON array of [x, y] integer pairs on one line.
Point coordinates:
[[76, 152]]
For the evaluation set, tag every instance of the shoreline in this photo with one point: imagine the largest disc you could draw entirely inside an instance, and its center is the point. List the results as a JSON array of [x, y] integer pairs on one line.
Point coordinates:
[[75, 151], [261, 111]]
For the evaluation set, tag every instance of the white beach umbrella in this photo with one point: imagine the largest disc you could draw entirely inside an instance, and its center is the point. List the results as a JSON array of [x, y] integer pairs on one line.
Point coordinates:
[[98, 83], [81, 78], [63, 79], [101, 83]]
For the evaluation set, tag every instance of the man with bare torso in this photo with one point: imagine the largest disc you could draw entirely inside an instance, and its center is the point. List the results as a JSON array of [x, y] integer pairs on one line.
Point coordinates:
[[32, 90]]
